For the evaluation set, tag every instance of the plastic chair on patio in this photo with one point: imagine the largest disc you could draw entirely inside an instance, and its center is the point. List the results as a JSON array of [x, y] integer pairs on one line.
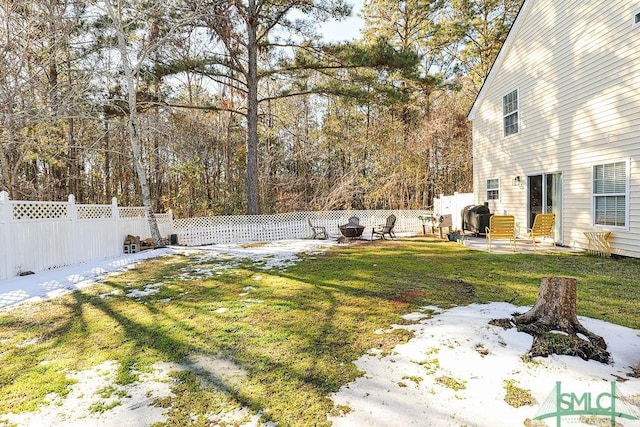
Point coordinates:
[[542, 228], [502, 227]]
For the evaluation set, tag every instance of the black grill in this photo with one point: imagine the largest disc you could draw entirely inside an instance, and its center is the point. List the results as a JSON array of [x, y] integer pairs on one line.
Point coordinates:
[[475, 218]]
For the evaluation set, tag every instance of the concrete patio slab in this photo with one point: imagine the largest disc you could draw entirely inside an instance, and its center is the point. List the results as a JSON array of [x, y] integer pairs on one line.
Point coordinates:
[[523, 246]]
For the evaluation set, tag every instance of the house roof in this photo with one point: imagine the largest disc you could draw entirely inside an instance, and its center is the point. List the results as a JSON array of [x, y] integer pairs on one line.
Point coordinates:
[[517, 23]]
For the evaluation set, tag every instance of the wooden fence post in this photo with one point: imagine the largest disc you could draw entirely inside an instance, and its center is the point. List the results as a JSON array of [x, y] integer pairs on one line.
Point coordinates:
[[6, 214]]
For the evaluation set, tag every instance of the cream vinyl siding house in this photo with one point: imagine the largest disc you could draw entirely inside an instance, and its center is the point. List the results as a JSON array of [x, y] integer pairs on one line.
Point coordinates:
[[571, 72]]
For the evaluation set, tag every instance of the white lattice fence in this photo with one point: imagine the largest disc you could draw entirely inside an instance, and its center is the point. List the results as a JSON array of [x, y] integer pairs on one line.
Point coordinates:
[[165, 224], [37, 236], [133, 221], [251, 228]]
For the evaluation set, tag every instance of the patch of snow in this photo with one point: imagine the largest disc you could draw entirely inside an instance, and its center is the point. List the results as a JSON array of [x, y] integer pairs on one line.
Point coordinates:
[[150, 289], [431, 309], [414, 317], [51, 283], [401, 388], [28, 343], [279, 254], [112, 293], [133, 407]]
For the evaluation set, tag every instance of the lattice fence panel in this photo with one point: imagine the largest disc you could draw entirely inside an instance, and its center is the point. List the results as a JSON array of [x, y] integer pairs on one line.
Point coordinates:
[[45, 235], [165, 224], [251, 228], [94, 211], [40, 210], [132, 212], [165, 218]]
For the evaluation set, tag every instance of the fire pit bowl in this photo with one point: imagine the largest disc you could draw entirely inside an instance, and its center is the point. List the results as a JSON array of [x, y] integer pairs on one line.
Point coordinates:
[[352, 228]]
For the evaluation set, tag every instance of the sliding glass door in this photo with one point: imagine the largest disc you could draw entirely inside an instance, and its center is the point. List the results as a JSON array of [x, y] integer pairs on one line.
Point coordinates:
[[545, 196]]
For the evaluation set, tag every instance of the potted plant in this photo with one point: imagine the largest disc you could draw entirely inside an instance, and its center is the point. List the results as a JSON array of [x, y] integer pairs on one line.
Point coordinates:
[[455, 236]]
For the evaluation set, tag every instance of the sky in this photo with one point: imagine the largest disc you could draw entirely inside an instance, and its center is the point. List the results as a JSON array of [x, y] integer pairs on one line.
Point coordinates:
[[345, 30]]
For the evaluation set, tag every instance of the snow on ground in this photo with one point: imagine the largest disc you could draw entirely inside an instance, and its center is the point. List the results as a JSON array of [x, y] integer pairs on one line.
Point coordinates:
[[401, 388], [132, 405], [56, 282], [397, 389], [280, 254], [53, 283]]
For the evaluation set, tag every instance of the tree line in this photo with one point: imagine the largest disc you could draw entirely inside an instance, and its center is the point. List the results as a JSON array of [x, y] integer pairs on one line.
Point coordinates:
[[225, 107]]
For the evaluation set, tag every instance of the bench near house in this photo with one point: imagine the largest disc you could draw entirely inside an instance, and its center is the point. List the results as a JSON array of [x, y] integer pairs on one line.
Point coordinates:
[[556, 125]]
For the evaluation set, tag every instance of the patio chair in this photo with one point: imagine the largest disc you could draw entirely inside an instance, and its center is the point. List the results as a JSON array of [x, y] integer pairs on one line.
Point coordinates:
[[317, 231], [542, 228], [502, 227], [386, 228]]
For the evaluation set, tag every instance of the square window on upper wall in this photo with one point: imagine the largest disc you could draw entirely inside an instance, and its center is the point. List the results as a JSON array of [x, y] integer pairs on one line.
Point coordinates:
[[635, 21]]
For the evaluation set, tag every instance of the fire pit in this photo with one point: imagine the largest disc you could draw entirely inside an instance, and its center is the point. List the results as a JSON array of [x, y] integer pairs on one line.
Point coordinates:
[[352, 228]]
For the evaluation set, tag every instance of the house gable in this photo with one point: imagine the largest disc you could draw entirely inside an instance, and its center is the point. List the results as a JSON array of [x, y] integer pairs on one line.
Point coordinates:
[[517, 23]]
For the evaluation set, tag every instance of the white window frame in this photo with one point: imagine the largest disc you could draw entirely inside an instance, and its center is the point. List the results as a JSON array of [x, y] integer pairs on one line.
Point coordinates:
[[516, 112], [497, 180], [635, 19], [625, 194]]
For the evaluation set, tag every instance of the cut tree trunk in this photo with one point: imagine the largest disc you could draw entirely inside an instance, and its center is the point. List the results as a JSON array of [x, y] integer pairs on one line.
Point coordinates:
[[554, 325]]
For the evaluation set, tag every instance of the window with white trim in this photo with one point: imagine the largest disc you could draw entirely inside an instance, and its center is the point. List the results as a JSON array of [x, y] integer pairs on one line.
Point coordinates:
[[635, 20], [510, 112], [493, 189], [610, 201]]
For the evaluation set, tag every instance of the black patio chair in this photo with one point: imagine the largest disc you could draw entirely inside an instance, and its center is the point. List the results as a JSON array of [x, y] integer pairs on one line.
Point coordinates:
[[387, 228]]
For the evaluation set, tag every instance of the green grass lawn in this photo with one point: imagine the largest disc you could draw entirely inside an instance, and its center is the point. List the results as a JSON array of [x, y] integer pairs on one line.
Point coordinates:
[[295, 332]]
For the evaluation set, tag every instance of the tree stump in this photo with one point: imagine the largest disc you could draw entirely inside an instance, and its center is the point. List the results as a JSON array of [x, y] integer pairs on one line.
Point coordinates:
[[554, 325]]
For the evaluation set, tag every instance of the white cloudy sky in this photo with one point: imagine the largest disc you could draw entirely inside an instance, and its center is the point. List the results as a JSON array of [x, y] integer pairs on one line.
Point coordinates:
[[348, 29]]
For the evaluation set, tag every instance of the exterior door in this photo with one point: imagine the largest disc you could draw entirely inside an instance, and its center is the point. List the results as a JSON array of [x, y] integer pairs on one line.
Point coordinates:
[[545, 196]]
